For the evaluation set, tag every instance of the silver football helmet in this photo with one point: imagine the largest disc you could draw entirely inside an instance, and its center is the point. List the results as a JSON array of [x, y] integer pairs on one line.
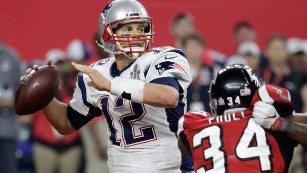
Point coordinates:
[[120, 12]]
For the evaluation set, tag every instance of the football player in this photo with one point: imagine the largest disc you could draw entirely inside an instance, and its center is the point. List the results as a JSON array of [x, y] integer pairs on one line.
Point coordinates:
[[140, 90], [238, 137]]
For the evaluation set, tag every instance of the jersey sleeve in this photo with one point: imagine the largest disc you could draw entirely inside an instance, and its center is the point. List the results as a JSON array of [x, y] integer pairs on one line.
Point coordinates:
[[180, 125], [85, 97], [277, 96], [188, 120], [171, 63], [189, 123], [181, 133]]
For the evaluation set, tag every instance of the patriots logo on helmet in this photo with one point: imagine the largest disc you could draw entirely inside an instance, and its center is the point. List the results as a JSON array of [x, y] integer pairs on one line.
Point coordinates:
[[106, 9], [167, 65]]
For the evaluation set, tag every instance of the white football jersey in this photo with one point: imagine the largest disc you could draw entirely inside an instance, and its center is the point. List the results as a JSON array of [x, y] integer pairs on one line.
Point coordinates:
[[142, 137]]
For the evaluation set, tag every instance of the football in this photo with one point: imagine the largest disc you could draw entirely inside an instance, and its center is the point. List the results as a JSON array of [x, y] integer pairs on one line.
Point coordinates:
[[37, 89]]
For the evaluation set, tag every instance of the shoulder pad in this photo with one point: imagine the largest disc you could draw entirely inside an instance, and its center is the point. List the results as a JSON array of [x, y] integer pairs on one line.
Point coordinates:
[[168, 49]]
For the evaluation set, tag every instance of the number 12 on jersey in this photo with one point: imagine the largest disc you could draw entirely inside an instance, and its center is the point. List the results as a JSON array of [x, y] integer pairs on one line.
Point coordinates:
[[127, 117]]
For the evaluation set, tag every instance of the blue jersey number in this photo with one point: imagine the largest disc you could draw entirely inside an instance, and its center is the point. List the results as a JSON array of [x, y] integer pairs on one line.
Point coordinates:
[[127, 120]]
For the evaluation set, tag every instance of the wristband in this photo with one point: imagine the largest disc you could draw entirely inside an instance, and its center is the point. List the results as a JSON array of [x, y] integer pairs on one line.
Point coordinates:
[[280, 125], [130, 89]]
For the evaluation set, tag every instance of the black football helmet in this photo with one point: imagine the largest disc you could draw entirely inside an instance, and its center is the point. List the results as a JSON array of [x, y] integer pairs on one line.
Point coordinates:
[[233, 87]]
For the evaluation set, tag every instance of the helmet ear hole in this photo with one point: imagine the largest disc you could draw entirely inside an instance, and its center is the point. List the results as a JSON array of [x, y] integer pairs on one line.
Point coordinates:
[[233, 87], [146, 27]]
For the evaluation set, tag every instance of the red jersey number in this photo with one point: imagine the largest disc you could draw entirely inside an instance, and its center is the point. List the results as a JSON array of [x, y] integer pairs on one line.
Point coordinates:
[[252, 145]]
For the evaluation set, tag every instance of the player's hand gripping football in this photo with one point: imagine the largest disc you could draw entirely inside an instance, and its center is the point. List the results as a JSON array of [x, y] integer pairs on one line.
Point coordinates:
[[37, 88], [25, 77], [266, 116], [97, 80]]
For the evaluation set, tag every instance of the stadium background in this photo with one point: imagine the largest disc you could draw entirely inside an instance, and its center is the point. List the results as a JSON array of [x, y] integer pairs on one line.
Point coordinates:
[[34, 27]]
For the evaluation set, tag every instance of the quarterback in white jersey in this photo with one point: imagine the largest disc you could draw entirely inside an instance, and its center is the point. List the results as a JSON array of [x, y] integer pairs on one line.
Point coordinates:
[[140, 90], [147, 131]]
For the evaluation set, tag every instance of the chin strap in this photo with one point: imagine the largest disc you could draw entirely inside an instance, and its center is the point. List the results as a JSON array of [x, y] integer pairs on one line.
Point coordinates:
[[132, 56], [105, 49]]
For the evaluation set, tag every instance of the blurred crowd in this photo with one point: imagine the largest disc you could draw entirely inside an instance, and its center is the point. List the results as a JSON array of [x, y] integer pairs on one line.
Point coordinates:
[[30, 144]]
